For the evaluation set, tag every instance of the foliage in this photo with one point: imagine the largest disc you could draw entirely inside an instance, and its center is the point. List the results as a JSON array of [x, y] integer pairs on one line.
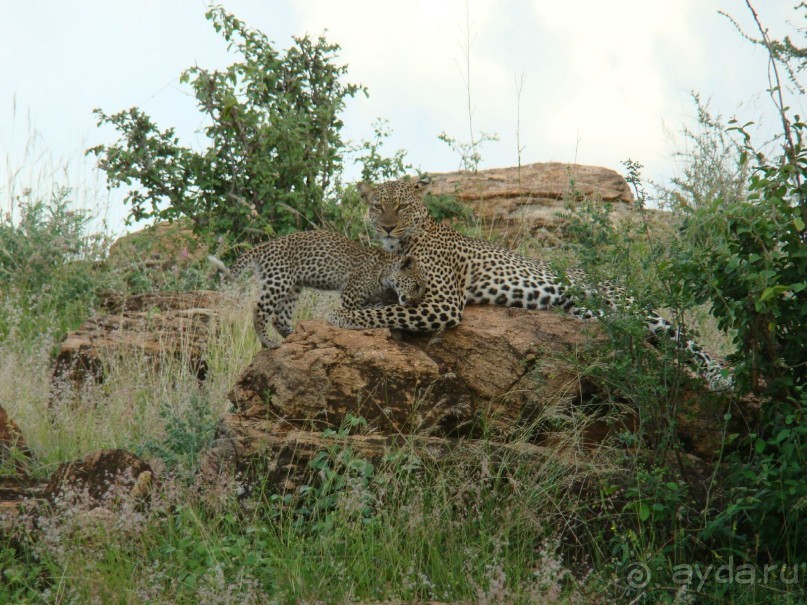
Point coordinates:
[[469, 529], [760, 292], [48, 268], [274, 132], [625, 257], [447, 208], [742, 214], [21, 575], [746, 257], [375, 166], [712, 166], [784, 52], [187, 434], [469, 152]]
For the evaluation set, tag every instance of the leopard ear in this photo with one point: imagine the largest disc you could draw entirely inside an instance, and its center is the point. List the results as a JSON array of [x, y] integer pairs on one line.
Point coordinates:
[[407, 263], [423, 181], [365, 189]]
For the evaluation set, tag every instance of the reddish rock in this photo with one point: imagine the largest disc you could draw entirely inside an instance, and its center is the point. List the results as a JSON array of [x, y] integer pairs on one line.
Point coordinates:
[[10, 434], [11, 439], [158, 326], [488, 366], [100, 478], [95, 484], [539, 183], [530, 200], [495, 372]]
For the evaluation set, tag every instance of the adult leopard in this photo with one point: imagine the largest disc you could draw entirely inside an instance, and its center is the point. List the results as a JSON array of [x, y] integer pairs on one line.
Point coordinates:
[[323, 260], [459, 270]]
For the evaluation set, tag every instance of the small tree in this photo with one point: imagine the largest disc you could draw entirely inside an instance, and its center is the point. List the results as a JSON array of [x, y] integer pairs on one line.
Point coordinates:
[[746, 256], [275, 143]]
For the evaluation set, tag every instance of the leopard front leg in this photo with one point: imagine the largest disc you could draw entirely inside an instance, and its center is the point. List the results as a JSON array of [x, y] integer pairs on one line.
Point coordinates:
[[284, 311], [261, 315], [275, 307], [425, 317]]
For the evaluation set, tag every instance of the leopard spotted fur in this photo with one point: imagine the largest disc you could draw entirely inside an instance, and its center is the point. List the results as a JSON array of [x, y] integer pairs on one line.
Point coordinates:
[[459, 270], [324, 260]]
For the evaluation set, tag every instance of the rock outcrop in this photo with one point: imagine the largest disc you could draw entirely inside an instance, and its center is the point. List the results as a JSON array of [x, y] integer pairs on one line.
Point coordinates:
[[99, 481], [501, 371], [167, 247], [11, 439], [100, 478], [494, 364], [529, 199], [435, 394], [157, 326]]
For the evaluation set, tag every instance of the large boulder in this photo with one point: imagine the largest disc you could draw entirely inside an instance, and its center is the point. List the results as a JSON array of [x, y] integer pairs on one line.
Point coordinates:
[[501, 372], [431, 395], [530, 199], [156, 326], [495, 364], [436, 394]]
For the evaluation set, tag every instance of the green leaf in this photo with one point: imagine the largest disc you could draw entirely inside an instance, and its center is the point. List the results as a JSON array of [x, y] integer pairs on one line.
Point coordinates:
[[772, 291]]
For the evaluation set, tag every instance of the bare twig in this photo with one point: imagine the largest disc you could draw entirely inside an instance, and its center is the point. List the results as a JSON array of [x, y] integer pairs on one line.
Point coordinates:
[[776, 88], [519, 148]]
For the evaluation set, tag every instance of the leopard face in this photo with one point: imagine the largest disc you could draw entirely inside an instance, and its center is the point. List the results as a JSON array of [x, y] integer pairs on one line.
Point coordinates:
[[395, 210], [407, 280]]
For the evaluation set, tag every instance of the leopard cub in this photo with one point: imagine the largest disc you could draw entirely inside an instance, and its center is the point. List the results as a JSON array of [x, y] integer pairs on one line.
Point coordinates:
[[323, 260]]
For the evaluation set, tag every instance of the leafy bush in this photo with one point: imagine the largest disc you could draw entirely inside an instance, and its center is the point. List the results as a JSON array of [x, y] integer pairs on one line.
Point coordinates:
[[187, 434], [447, 207], [48, 268], [377, 167], [744, 252], [275, 143], [748, 258], [760, 289], [741, 252]]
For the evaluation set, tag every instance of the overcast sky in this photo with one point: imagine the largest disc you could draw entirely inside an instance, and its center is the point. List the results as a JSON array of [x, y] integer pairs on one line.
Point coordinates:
[[602, 81]]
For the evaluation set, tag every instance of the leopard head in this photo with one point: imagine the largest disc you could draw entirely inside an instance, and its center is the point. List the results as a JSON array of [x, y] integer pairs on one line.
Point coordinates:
[[396, 210], [405, 278]]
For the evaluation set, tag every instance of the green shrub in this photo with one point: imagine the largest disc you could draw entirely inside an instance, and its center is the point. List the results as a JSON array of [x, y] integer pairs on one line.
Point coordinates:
[[187, 434], [748, 259], [447, 207], [49, 268], [275, 143]]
